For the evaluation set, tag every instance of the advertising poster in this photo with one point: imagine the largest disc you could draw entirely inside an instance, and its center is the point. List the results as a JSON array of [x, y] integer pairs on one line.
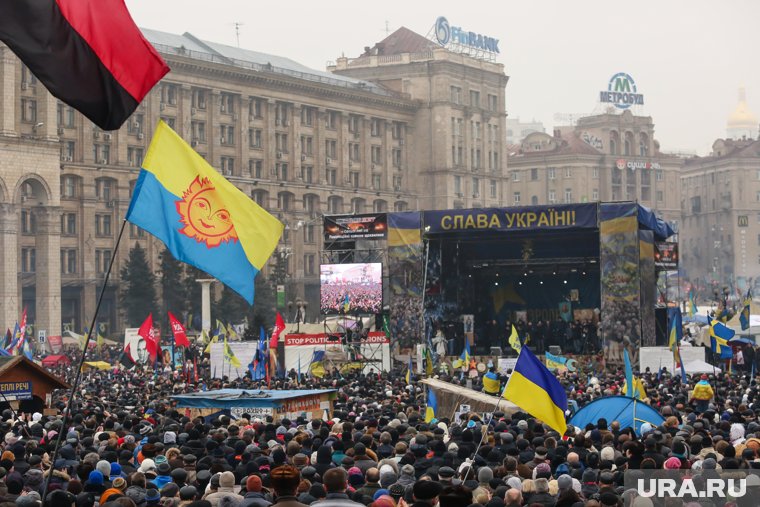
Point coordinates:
[[352, 227]]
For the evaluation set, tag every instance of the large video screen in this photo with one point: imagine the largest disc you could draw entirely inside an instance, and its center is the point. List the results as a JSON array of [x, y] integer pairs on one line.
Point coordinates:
[[351, 288]]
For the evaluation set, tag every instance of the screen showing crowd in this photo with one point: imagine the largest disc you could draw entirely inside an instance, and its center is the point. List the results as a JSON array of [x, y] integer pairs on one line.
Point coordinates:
[[351, 288]]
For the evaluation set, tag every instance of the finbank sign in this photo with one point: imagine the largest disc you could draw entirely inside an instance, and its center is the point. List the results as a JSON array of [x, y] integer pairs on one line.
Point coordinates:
[[621, 92], [445, 34]]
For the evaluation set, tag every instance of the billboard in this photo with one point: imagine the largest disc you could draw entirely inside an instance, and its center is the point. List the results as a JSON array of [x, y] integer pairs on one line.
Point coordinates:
[[351, 288], [351, 227], [666, 255]]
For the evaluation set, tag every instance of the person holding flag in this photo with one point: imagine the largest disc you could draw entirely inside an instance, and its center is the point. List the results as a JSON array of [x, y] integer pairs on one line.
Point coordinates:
[[633, 387]]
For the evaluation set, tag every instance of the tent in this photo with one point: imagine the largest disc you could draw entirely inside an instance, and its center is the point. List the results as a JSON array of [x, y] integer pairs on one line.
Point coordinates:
[[698, 366], [55, 360], [100, 365], [627, 411]]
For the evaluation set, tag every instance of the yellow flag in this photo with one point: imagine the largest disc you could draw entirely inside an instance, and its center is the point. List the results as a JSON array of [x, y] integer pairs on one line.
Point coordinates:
[[514, 340], [230, 356], [215, 339]]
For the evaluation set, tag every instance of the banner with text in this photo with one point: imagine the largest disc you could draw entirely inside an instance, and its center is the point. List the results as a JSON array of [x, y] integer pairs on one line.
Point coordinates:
[[351, 227], [533, 218]]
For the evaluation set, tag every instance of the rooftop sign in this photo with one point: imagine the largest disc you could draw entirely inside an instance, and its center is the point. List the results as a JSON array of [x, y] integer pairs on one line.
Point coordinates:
[[446, 34], [621, 92]]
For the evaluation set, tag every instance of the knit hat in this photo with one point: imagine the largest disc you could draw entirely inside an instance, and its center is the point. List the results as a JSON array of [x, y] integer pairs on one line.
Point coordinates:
[[672, 463], [485, 474], [253, 483], [120, 483], [227, 480], [564, 482], [95, 478]]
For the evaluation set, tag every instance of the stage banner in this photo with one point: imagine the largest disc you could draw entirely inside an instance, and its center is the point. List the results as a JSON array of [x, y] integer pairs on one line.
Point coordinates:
[[647, 249], [351, 227], [405, 265], [620, 281], [666, 255], [521, 218]]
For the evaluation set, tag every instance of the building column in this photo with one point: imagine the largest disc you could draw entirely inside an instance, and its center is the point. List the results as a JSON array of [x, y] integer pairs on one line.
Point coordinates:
[[206, 303], [48, 287], [7, 92], [9, 266]]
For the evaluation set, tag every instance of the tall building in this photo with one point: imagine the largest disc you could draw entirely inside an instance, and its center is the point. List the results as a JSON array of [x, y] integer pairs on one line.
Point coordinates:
[[720, 234], [382, 132], [518, 130], [459, 124], [607, 157]]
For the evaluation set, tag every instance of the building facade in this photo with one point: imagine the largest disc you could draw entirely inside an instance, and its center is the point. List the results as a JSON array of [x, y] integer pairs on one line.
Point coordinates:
[[301, 143], [608, 157]]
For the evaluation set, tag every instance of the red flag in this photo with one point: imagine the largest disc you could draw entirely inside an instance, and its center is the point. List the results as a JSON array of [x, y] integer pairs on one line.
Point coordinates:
[[180, 337], [279, 327], [88, 53], [147, 333], [23, 323]]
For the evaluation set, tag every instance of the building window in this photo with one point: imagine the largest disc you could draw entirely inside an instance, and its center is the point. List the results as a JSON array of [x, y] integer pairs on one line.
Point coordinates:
[[28, 260], [568, 195], [254, 138], [552, 196], [456, 95], [568, 172], [396, 155], [65, 115], [379, 206], [308, 233], [227, 134], [376, 153], [281, 171], [534, 200], [334, 204], [285, 201], [331, 148], [281, 143], [28, 110], [458, 185], [101, 154], [227, 165], [103, 189], [198, 98], [136, 232], [68, 224], [169, 94], [103, 225], [254, 108], [331, 176], [254, 167], [198, 129], [660, 196], [551, 173], [27, 77], [226, 103], [102, 259], [68, 261], [595, 172], [475, 127], [516, 198], [357, 205], [135, 124], [307, 172], [397, 130], [475, 187], [374, 127], [67, 151], [353, 179], [308, 264], [331, 120], [397, 183], [493, 186], [69, 186], [28, 222], [515, 175], [595, 194], [493, 102], [534, 174], [307, 116], [377, 182], [134, 156], [474, 98], [659, 175], [307, 145]]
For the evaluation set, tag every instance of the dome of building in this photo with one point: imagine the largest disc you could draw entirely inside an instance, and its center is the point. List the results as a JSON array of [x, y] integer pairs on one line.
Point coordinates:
[[742, 121]]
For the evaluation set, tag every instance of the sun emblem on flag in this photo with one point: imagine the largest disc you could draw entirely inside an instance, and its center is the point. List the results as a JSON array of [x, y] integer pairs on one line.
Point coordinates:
[[204, 216]]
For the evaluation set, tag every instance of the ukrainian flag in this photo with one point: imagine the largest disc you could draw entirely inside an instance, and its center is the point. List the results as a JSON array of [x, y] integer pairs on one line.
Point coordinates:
[[744, 316], [432, 406], [676, 333], [464, 357], [404, 228], [533, 388], [719, 336], [491, 383], [202, 218], [692, 304]]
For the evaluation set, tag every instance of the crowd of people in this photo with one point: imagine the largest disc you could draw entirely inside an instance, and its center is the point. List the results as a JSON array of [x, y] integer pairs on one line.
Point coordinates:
[[128, 445], [346, 297]]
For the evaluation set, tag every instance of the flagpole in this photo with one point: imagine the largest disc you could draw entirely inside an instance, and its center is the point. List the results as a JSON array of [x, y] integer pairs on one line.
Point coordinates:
[[78, 377]]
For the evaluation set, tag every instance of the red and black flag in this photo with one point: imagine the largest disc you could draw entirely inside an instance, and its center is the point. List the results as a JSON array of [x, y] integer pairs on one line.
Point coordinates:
[[88, 53], [126, 359]]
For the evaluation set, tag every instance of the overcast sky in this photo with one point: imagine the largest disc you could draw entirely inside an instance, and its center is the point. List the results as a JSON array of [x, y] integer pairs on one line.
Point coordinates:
[[688, 58]]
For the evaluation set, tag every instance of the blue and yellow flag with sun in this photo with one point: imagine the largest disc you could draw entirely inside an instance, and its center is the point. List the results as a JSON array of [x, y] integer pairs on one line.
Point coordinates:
[[202, 218]]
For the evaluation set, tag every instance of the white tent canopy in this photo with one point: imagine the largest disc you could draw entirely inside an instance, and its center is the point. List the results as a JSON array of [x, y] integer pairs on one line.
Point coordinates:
[[699, 366]]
